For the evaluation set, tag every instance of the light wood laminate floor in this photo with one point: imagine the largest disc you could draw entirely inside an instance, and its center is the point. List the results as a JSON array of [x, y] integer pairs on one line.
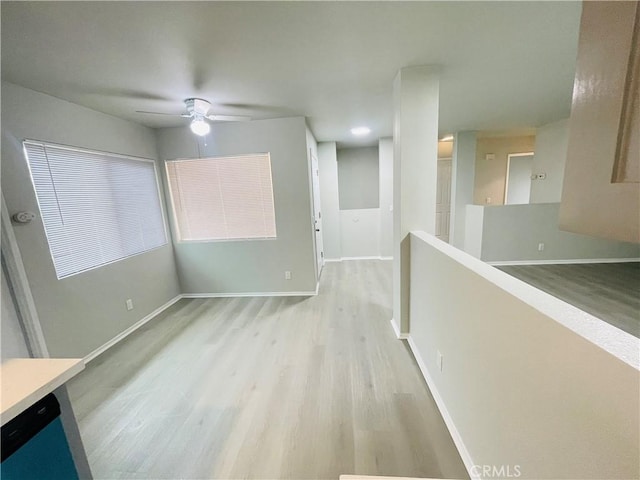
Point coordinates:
[[270, 387], [610, 291]]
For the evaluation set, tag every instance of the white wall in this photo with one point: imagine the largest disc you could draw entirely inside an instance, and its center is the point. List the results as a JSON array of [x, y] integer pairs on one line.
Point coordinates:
[[512, 233], [253, 266], [11, 335], [463, 165], [327, 160], [358, 178], [385, 152], [416, 96], [474, 223], [360, 233], [518, 386], [82, 312], [550, 157]]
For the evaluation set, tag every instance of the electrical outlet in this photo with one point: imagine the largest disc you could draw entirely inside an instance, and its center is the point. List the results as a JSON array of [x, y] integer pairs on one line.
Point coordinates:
[[490, 156], [540, 247], [287, 275], [129, 303], [440, 357]]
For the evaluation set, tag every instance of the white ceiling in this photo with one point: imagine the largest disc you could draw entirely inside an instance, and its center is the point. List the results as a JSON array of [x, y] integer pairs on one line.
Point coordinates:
[[504, 64]]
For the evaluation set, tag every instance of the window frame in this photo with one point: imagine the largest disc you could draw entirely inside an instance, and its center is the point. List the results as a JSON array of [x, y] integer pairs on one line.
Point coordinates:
[[74, 148], [172, 205]]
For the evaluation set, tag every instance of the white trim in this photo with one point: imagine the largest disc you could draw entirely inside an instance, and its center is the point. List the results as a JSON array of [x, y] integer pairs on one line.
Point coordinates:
[[157, 311], [130, 330], [568, 261], [26, 305], [455, 435], [345, 259], [252, 294], [396, 330]]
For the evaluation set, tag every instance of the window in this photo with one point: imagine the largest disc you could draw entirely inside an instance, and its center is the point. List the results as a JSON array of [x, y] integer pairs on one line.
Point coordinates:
[[222, 198], [96, 207]]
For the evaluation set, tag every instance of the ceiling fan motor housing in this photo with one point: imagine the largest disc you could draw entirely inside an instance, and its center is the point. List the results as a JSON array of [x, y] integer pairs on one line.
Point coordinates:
[[197, 106]]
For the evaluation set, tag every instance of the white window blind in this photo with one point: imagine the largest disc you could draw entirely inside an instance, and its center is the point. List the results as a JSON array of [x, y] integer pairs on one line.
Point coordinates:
[[96, 207], [222, 198]]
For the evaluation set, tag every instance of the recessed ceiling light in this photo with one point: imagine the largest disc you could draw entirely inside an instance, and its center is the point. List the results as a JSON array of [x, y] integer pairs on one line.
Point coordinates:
[[446, 138], [360, 131]]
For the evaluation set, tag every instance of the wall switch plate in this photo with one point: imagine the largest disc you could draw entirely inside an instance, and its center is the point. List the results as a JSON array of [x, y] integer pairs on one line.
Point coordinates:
[[287, 275], [490, 156], [540, 247], [129, 303], [440, 358]]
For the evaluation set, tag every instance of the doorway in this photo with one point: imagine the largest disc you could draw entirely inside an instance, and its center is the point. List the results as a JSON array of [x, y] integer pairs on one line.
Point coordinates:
[[518, 184]]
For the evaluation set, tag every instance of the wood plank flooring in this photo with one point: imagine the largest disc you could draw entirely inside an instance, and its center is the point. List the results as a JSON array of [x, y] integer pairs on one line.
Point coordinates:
[[271, 387], [610, 291]]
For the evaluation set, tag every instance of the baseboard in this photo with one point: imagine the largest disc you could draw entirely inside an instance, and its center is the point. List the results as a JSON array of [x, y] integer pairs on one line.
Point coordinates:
[[345, 259], [130, 330], [455, 435], [396, 329], [332, 260], [559, 262], [252, 294]]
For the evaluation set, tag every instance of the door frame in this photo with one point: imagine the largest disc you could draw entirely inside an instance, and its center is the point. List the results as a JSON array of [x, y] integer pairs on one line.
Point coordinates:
[[506, 177], [17, 278]]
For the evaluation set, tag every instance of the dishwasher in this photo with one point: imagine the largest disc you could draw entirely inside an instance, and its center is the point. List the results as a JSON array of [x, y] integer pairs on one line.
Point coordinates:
[[34, 445]]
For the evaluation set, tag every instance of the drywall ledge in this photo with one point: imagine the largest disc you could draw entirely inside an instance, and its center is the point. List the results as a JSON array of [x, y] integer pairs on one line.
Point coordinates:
[[527, 379], [611, 339]]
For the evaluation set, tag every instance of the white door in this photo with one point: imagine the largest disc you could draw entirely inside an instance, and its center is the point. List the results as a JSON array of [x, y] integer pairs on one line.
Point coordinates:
[[317, 215], [518, 186], [443, 199]]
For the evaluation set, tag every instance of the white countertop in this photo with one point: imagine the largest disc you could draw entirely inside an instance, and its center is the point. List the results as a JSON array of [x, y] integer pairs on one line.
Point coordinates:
[[24, 381]]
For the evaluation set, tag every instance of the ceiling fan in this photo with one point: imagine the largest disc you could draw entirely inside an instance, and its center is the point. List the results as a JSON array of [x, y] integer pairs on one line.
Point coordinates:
[[198, 111]]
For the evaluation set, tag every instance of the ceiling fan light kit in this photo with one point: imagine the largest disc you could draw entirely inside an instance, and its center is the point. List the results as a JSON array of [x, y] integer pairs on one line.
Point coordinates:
[[198, 111], [199, 126]]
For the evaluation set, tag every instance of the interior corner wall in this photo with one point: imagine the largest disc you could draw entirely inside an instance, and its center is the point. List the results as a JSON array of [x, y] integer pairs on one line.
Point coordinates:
[[252, 266], [550, 157], [462, 181], [385, 162], [491, 175], [82, 312], [329, 200]]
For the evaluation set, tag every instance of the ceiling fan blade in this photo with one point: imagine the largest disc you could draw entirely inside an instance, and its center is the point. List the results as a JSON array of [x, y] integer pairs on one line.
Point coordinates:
[[228, 118], [186, 115]]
